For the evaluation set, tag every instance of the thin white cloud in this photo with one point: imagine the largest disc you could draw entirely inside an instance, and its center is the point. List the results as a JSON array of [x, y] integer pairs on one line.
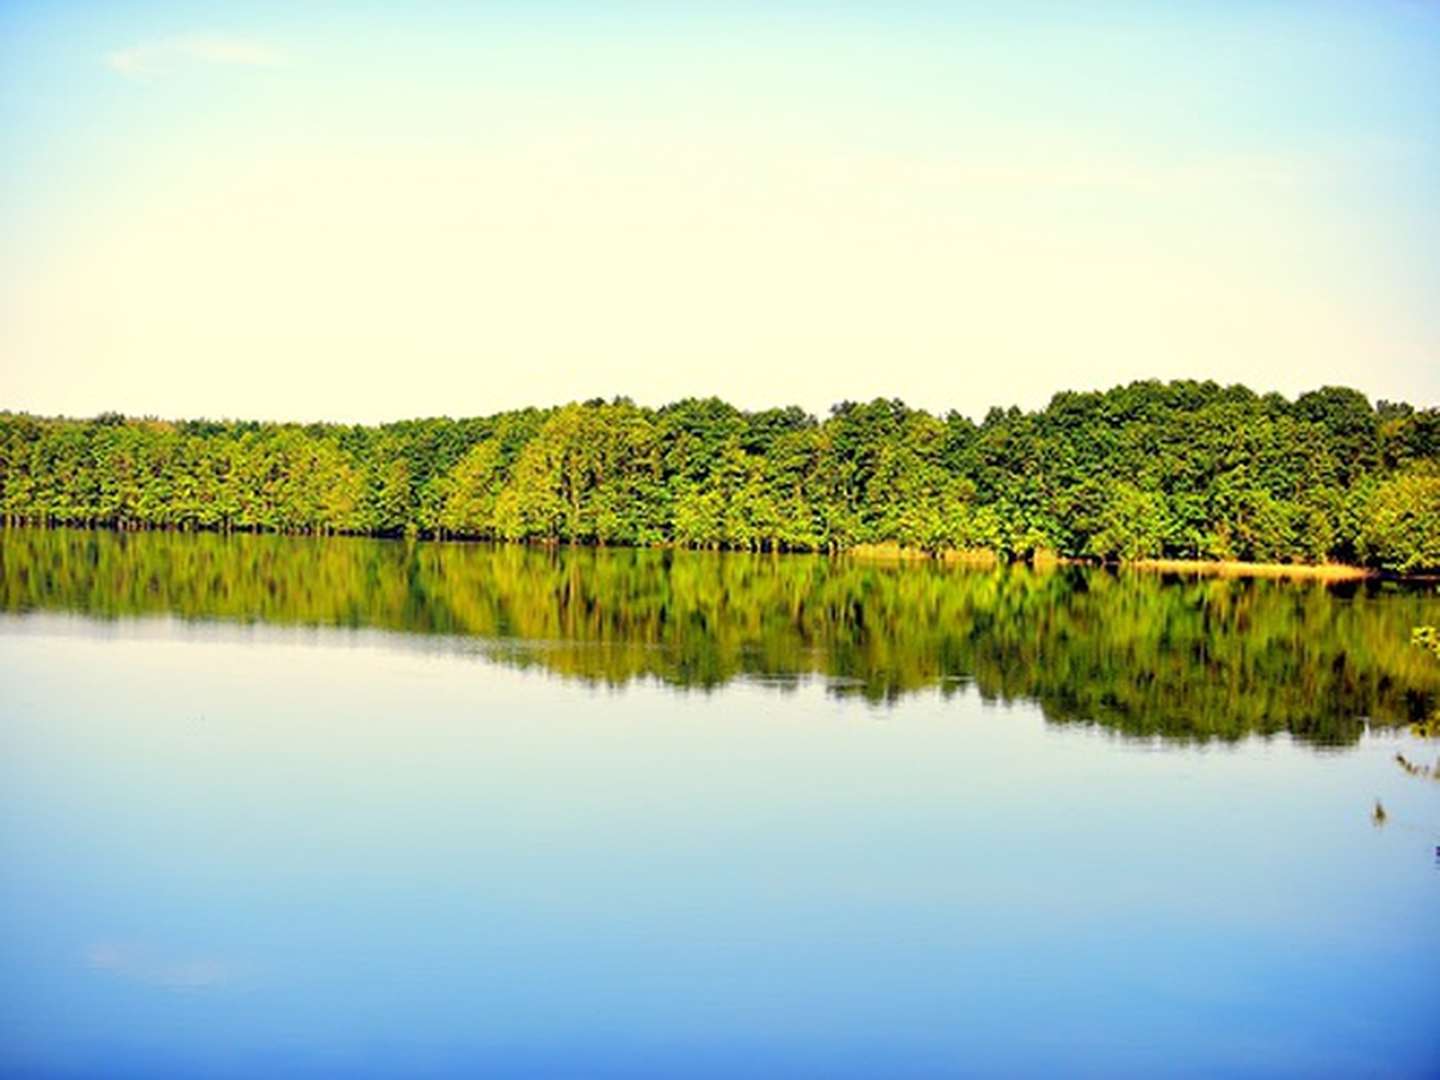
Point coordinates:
[[150, 57], [171, 971]]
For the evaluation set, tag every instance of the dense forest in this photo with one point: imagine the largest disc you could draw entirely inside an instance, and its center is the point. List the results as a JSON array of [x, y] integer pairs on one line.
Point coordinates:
[[1181, 656], [1179, 470]]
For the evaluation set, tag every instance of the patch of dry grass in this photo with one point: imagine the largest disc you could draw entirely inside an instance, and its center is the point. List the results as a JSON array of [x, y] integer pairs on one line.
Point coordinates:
[[1218, 568], [893, 552]]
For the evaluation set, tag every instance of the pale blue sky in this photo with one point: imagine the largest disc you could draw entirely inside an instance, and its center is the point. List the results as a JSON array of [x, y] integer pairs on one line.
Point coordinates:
[[375, 211]]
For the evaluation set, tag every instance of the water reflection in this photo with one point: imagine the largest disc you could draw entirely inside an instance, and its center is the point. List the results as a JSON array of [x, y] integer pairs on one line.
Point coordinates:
[[1144, 654]]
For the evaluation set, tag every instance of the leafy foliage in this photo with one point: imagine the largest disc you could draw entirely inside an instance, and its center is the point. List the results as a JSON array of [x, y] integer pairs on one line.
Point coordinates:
[[1427, 637], [1181, 470]]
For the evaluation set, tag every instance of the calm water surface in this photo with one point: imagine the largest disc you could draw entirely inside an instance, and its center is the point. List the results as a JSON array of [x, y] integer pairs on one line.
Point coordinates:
[[280, 807]]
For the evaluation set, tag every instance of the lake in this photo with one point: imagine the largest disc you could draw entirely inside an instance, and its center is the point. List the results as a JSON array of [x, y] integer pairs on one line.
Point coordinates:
[[303, 807]]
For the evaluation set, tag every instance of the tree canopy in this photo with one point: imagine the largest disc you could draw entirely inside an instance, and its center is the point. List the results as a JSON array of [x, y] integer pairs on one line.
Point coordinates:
[[1178, 470]]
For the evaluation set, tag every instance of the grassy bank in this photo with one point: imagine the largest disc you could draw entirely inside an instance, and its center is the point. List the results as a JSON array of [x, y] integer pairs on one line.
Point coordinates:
[[1217, 568], [896, 553]]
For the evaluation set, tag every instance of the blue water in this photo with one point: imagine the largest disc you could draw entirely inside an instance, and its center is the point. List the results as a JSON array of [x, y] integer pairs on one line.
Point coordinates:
[[235, 851]]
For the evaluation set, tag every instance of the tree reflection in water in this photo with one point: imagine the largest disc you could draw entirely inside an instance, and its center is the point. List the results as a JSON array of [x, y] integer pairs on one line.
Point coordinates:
[[1141, 653]]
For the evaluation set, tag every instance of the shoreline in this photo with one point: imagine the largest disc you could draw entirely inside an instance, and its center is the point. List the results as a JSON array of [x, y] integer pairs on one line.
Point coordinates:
[[1236, 568], [894, 553], [889, 552]]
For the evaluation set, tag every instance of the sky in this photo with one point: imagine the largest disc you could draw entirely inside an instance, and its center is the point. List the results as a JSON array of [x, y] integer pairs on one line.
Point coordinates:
[[365, 212]]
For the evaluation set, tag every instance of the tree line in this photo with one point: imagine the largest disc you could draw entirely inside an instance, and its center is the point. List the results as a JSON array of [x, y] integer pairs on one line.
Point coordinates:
[[1147, 654], [1179, 470]]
